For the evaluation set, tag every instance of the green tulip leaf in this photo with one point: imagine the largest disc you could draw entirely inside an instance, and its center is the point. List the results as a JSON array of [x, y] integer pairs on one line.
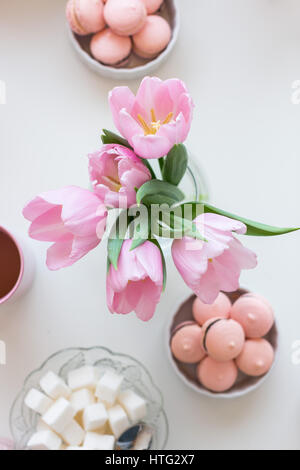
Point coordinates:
[[116, 239], [175, 164], [158, 192], [254, 229], [109, 137]]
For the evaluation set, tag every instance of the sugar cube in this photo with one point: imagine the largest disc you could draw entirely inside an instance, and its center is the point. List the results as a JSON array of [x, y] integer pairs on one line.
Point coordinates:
[[80, 399], [94, 441], [94, 417], [54, 386], [42, 426], [134, 405], [108, 387], [85, 377], [59, 415], [44, 440], [73, 434], [118, 420], [37, 401]]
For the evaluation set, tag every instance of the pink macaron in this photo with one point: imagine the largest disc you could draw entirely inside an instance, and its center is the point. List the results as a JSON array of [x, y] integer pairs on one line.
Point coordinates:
[[125, 17], [223, 340], [255, 314], [219, 309], [217, 376], [256, 358], [152, 5], [153, 38], [85, 16], [111, 49], [186, 344]]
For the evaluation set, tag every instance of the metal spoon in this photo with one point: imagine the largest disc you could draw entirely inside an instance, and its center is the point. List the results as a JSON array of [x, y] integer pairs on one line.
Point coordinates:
[[138, 437]]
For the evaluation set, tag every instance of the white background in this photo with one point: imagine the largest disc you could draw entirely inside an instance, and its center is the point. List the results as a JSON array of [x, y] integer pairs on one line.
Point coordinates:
[[239, 60]]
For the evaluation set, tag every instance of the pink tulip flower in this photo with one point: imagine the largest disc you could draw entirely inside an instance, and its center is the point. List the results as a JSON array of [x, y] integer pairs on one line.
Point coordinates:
[[213, 266], [137, 284], [115, 172], [156, 119], [73, 218]]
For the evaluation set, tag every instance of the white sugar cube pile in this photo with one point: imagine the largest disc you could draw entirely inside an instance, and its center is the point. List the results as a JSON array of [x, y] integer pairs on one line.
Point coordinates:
[[89, 412]]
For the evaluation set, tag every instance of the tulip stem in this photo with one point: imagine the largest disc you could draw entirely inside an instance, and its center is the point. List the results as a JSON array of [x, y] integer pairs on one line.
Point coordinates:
[[161, 162], [147, 164]]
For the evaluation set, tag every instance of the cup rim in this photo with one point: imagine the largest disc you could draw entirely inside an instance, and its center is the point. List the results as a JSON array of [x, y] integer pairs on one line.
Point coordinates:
[[20, 277]]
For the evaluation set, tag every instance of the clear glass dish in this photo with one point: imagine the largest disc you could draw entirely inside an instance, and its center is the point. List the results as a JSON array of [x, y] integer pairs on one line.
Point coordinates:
[[23, 421]]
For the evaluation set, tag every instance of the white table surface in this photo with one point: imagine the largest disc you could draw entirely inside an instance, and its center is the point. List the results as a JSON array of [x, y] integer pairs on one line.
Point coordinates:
[[239, 60]]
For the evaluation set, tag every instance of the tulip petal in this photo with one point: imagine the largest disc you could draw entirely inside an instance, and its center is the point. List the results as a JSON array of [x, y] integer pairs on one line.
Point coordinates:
[[111, 199], [115, 171], [120, 98], [48, 227], [176, 88], [129, 127], [163, 104], [121, 304], [166, 109], [149, 257], [215, 265], [145, 97], [82, 212], [35, 208], [58, 255], [148, 301], [175, 132], [245, 258], [60, 196], [82, 246], [189, 260], [208, 287], [227, 271], [130, 288], [128, 268], [185, 106], [225, 224], [151, 146], [133, 174]]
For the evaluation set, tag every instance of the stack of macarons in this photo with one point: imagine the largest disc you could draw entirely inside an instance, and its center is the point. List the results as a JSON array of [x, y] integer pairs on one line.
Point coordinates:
[[226, 338], [120, 27]]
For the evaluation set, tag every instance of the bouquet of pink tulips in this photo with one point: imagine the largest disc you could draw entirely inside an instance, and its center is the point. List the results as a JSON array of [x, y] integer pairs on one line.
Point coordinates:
[[153, 125]]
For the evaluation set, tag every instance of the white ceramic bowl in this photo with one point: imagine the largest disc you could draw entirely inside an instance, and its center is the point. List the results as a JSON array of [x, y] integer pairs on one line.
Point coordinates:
[[187, 372], [137, 68]]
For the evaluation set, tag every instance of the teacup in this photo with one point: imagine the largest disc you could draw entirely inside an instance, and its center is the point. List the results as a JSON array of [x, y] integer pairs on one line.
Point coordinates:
[[16, 266]]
